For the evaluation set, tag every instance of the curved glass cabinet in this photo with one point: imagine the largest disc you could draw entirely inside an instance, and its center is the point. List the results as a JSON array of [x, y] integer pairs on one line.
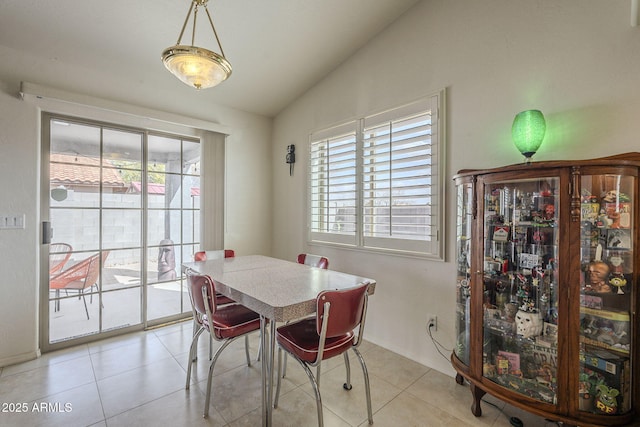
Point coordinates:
[[463, 259], [546, 288]]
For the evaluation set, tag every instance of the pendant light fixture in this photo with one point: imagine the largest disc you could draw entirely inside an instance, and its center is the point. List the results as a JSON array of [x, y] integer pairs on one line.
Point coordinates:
[[196, 66]]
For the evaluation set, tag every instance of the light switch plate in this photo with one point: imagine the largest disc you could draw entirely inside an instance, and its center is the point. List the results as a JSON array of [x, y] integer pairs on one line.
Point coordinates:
[[12, 221]]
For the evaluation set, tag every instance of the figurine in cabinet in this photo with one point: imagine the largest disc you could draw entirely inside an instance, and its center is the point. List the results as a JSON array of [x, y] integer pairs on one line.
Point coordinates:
[[613, 216], [606, 400], [614, 196], [510, 310], [528, 323], [598, 274], [617, 279]]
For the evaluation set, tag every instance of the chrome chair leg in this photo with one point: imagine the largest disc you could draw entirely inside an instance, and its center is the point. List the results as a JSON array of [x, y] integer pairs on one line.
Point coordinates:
[[347, 385], [246, 349], [259, 355], [192, 352], [316, 390], [195, 330], [366, 384], [312, 379], [207, 400], [210, 346], [284, 366], [280, 376]]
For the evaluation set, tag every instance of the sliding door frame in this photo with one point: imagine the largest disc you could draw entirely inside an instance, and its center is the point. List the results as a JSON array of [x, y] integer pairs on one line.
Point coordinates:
[[212, 152]]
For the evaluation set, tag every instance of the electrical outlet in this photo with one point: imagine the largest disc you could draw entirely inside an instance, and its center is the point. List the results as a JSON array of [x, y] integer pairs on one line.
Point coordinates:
[[432, 322]]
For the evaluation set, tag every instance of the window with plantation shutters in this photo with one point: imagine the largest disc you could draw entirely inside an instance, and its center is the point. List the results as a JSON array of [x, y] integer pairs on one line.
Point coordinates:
[[333, 187], [375, 183], [397, 182]]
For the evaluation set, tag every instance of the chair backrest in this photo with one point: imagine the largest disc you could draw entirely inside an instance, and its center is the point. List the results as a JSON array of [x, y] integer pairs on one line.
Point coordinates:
[[59, 254], [347, 310], [219, 254], [202, 293], [313, 260], [85, 273], [93, 273]]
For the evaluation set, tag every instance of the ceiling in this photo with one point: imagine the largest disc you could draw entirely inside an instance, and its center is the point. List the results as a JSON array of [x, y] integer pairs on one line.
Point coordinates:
[[111, 48]]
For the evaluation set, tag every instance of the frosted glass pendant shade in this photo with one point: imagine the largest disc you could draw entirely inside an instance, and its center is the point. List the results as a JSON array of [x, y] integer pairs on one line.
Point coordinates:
[[198, 67]]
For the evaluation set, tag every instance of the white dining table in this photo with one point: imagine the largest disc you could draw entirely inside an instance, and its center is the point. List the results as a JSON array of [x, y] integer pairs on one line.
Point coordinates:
[[279, 291]]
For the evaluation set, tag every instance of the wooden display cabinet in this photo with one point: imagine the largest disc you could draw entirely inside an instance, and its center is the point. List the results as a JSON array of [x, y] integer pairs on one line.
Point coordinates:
[[547, 288]]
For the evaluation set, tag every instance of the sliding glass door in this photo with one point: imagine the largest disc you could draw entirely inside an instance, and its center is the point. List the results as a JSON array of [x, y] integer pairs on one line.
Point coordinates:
[[173, 221], [124, 212]]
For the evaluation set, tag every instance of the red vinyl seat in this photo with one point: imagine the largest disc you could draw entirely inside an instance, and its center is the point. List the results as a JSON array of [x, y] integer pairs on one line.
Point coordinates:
[[330, 333]]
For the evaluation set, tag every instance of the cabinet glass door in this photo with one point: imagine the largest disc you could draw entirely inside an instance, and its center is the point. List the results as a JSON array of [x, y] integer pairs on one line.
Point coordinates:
[[463, 258], [520, 286], [606, 244]]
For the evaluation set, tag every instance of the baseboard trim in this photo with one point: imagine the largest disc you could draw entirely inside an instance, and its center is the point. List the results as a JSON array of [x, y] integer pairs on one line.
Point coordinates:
[[19, 358]]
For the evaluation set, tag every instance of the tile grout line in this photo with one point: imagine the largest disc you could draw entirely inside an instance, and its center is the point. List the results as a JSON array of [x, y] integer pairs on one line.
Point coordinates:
[[95, 382]]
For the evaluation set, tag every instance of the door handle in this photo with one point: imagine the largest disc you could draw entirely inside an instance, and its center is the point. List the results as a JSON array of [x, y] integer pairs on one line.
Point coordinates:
[[47, 232]]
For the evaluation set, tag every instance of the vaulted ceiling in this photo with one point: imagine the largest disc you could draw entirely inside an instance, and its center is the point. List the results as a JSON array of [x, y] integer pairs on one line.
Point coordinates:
[[111, 48]]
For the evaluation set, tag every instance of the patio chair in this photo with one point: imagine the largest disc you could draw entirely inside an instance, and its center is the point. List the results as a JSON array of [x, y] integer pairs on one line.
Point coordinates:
[[59, 254], [79, 277]]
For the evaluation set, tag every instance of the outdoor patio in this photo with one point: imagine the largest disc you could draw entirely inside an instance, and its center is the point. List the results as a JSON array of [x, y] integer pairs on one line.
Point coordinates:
[[121, 304]]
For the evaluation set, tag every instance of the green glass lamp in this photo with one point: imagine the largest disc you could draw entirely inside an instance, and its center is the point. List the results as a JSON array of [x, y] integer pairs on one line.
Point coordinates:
[[528, 131]]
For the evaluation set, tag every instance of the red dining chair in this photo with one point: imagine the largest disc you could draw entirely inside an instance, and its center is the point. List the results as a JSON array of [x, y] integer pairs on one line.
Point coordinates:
[[329, 334], [218, 254], [224, 323], [79, 277], [222, 299], [313, 260]]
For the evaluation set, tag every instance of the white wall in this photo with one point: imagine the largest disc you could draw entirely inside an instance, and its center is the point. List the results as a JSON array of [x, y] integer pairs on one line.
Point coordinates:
[[576, 60], [18, 255], [247, 207]]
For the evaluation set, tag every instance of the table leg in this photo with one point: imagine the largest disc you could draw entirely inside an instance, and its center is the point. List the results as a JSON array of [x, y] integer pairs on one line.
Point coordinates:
[[264, 359], [272, 344]]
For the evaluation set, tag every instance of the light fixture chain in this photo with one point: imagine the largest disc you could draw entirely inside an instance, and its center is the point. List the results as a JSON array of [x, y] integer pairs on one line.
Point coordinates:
[[185, 23], [195, 20], [215, 33]]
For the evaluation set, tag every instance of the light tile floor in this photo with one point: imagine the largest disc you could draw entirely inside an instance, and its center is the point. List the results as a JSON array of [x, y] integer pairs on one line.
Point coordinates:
[[138, 380]]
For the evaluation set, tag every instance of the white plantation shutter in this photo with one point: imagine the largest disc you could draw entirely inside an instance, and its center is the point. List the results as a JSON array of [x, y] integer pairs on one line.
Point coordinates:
[[399, 198], [333, 191], [376, 183]]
